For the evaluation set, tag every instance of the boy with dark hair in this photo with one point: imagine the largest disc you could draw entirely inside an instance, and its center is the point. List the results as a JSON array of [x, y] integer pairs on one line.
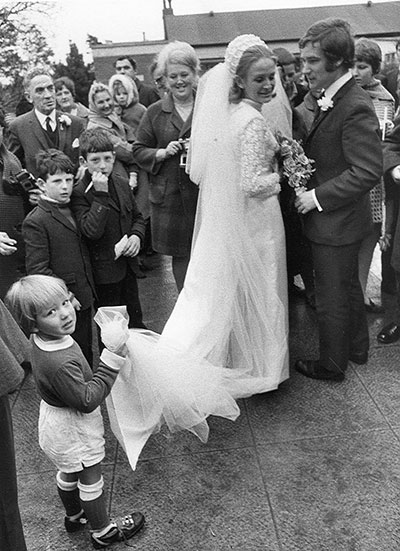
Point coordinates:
[[109, 218], [54, 244]]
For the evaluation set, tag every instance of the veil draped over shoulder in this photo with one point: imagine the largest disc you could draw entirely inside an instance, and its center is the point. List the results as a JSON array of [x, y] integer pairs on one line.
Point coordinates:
[[227, 335]]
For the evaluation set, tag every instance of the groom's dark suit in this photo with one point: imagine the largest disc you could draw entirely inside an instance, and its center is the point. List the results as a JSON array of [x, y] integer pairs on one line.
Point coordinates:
[[27, 137], [345, 145]]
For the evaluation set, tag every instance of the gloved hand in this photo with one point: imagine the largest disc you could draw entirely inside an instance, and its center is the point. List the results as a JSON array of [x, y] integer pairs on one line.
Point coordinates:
[[113, 323]]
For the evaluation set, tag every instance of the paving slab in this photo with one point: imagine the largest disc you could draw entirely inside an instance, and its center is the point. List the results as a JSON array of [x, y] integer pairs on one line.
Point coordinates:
[[214, 501], [313, 466], [335, 494]]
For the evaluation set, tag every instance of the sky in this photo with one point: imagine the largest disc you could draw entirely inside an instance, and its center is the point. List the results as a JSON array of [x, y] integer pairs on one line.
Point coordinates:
[[134, 20]]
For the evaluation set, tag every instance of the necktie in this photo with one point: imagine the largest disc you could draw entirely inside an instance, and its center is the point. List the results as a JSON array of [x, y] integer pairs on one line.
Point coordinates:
[[48, 125], [50, 132]]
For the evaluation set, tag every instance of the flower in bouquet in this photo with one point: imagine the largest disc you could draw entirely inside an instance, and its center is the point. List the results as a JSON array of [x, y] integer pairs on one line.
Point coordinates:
[[295, 166]]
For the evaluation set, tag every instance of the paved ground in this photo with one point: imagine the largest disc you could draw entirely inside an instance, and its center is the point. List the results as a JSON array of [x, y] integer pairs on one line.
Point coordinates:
[[312, 466]]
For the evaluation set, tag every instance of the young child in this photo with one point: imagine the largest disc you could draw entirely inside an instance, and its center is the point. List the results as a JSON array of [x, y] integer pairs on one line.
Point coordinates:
[[70, 423], [126, 98], [109, 218], [54, 244]]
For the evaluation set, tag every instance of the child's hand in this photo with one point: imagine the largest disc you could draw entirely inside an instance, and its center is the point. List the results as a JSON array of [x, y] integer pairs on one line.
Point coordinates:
[[100, 181], [132, 246], [33, 196], [115, 334]]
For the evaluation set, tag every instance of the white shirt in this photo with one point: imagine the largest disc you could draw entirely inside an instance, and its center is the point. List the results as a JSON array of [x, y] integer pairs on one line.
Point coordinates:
[[329, 93], [42, 119]]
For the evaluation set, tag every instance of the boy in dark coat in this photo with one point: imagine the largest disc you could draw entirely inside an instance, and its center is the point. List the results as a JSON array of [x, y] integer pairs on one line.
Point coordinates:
[[109, 218], [54, 244]]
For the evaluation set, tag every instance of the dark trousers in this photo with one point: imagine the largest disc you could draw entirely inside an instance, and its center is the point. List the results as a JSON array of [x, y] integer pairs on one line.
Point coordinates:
[[124, 292], [83, 333], [388, 284], [342, 321], [11, 533]]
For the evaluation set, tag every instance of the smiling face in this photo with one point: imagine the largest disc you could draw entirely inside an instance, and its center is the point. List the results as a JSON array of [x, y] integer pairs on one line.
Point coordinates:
[[64, 99], [57, 186], [259, 83], [363, 73], [180, 80], [42, 94], [57, 319], [104, 103], [315, 67]]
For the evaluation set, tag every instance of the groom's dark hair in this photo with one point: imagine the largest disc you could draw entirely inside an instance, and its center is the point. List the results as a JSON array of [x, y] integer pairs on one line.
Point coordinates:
[[335, 40]]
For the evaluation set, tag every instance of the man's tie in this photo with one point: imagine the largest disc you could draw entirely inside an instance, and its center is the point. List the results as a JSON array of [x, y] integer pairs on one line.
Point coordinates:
[[48, 125], [50, 132]]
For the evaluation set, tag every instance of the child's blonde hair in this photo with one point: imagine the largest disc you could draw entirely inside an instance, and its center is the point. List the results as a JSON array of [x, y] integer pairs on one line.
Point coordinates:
[[30, 295], [118, 81]]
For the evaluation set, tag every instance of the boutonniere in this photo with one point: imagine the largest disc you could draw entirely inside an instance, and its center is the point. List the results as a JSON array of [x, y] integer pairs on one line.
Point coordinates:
[[64, 121], [325, 103]]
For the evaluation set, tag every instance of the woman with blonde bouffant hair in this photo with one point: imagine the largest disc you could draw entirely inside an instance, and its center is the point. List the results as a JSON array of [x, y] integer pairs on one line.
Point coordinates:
[[160, 149]]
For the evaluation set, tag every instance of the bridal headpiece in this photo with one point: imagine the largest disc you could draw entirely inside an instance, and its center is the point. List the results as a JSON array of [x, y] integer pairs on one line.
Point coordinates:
[[236, 49]]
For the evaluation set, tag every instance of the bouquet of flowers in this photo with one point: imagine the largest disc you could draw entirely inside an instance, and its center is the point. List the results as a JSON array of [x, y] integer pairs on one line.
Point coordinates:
[[294, 164]]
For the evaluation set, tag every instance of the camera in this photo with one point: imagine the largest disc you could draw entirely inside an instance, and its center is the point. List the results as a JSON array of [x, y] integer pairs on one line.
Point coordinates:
[[185, 146], [20, 183]]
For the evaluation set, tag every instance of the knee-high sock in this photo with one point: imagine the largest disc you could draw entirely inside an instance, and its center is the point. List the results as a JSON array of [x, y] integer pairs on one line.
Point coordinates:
[[69, 495], [94, 505]]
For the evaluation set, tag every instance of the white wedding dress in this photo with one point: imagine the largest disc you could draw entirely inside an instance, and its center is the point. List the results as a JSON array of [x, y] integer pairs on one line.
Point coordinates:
[[227, 337]]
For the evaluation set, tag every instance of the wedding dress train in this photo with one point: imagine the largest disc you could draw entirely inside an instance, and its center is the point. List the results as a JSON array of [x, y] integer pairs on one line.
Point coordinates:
[[227, 337]]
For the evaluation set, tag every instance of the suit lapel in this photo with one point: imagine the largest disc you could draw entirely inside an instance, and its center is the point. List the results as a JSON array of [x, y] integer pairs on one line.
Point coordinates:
[[336, 99], [317, 121], [62, 132], [57, 215], [120, 194]]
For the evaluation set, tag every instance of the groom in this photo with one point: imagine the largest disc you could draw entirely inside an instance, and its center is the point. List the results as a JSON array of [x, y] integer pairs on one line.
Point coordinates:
[[345, 145]]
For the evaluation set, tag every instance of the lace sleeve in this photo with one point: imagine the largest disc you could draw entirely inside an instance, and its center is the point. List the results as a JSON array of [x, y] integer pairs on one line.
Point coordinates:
[[257, 150]]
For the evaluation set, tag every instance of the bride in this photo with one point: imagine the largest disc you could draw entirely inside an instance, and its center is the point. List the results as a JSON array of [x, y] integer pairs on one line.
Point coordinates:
[[227, 336]]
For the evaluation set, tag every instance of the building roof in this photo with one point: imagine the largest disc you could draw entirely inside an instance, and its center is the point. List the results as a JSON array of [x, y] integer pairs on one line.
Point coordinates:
[[213, 28]]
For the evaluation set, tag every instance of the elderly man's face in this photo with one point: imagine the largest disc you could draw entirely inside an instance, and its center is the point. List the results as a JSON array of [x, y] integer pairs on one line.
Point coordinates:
[[42, 94], [123, 67]]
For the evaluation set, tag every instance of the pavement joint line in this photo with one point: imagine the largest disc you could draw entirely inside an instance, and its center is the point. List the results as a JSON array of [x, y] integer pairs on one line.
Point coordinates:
[[265, 485], [375, 403]]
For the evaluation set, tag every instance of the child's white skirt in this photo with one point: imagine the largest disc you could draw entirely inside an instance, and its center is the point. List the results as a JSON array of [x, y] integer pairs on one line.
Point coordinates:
[[71, 439]]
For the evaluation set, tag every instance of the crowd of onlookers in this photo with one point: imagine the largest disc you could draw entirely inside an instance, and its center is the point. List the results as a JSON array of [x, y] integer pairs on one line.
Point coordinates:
[[87, 193]]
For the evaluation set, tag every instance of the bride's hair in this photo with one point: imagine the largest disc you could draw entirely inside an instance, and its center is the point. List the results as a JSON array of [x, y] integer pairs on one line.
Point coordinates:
[[250, 56]]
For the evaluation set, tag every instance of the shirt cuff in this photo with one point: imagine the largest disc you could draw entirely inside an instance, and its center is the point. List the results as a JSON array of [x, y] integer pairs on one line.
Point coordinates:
[[112, 360], [314, 196]]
